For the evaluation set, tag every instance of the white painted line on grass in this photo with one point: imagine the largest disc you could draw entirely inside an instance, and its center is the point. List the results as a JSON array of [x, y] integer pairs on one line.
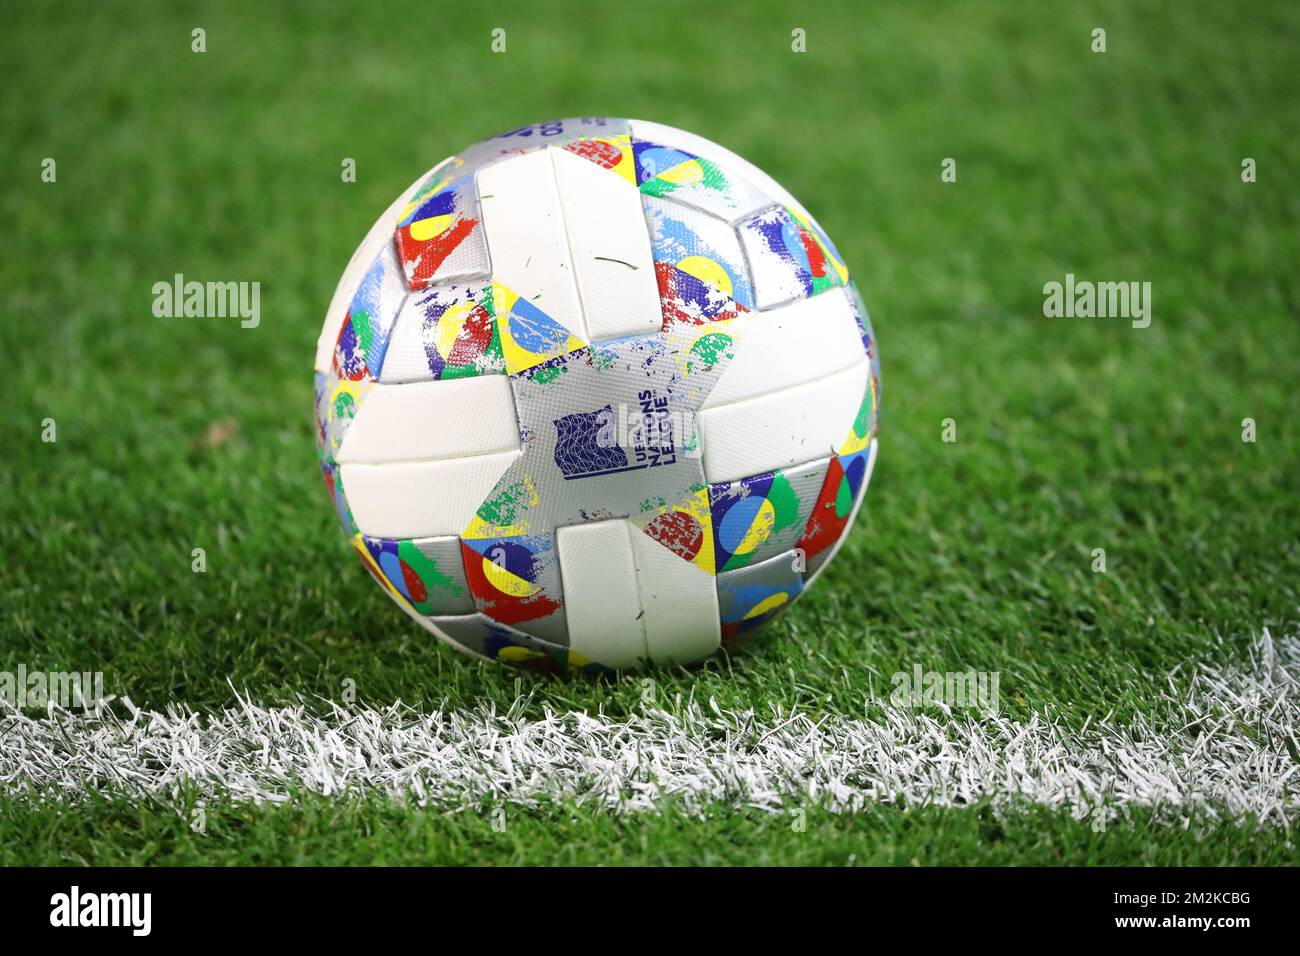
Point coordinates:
[[1225, 746]]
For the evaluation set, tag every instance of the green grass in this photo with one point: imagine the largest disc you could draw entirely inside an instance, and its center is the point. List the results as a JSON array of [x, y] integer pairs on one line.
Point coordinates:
[[347, 832], [1072, 434]]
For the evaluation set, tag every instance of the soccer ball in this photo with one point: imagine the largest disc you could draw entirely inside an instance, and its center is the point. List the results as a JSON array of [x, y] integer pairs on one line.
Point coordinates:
[[594, 394]]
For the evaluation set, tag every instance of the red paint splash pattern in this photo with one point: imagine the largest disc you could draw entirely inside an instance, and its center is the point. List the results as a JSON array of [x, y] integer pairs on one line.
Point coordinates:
[[684, 298], [501, 607], [473, 339], [421, 259], [679, 532], [603, 154], [824, 525]]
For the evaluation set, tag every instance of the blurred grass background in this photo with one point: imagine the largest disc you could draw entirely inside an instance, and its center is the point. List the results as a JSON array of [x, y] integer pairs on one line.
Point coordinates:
[[1072, 434]]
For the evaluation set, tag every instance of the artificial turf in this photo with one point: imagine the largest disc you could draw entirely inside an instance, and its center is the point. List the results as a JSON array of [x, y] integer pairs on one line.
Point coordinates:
[[1072, 434]]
